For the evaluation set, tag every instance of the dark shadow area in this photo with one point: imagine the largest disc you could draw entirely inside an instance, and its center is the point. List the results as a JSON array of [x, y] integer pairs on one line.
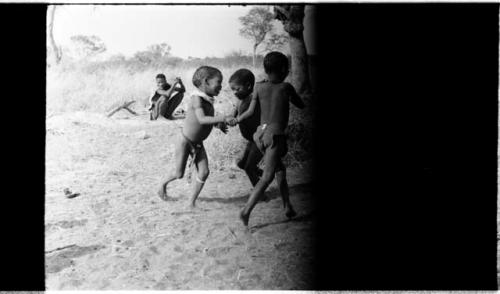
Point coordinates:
[[271, 193], [23, 241], [407, 190], [298, 218]]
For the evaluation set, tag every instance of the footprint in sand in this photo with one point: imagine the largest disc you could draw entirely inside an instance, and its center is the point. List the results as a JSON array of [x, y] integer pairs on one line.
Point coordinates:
[[154, 250], [218, 251], [101, 207], [71, 284], [61, 259], [178, 248], [66, 224], [190, 211]]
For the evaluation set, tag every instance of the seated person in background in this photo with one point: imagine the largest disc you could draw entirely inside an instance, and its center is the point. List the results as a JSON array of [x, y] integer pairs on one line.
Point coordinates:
[[166, 98]]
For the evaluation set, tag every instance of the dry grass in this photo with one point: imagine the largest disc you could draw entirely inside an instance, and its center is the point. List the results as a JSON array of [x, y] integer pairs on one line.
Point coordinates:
[[97, 89]]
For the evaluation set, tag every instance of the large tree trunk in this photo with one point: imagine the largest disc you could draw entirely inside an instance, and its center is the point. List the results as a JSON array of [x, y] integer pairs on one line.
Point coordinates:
[[300, 65], [55, 49], [292, 17], [254, 56]]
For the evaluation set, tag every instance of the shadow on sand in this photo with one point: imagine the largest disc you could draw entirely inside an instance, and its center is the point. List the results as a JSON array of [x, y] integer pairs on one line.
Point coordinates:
[[299, 218], [271, 194]]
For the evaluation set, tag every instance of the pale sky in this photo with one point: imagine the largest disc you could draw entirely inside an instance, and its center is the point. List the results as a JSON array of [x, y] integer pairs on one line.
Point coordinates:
[[191, 30]]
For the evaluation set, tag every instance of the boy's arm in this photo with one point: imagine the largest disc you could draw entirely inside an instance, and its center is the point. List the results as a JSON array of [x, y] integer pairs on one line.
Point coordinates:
[[152, 96], [200, 114], [234, 112], [250, 110], [181, 88], [151, 101], [167, 92], [295, 98]]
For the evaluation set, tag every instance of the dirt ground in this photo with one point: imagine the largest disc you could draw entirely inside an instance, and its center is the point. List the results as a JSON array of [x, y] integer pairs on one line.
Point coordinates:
[[116, 234]]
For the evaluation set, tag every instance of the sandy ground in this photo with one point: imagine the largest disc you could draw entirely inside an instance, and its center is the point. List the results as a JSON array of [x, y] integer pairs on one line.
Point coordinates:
[[118, 235]]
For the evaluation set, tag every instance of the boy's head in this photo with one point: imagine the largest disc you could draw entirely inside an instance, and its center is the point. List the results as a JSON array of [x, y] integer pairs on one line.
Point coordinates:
[[276, 66], [161, 80], [241, 83], [208, 80]]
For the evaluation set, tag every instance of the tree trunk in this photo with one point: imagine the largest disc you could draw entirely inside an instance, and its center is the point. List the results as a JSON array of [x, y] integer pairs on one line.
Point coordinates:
[[300, 65], [56, 50], [292, 17], [254, 56]]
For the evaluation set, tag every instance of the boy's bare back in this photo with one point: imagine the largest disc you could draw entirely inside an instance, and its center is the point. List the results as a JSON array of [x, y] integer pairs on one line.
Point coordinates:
[[274, 99]]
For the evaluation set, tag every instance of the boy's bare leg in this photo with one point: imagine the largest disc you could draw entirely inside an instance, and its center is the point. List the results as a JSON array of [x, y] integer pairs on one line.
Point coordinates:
[[181, 155], [201, 164], [241, 162], [161, 105], [253, 158], [283, 186], [270, 160], [251, 167]]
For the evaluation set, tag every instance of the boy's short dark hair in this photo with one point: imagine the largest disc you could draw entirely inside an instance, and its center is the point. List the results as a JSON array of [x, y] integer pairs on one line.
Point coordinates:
[[242, 76], [204, 72], [161, 76], [275, 61]]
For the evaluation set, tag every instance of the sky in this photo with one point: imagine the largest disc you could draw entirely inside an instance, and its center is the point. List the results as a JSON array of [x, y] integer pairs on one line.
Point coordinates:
[[190, 30]]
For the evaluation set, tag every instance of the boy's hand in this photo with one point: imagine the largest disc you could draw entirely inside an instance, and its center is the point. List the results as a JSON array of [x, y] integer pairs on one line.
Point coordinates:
[[231, 121], [223, 127]]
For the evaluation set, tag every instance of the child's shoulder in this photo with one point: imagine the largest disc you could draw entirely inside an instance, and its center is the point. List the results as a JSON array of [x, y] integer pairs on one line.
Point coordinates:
[[260, 84]]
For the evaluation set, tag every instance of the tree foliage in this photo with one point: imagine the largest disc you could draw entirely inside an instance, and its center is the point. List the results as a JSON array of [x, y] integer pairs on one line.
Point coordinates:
[[88, 46], [275, 42], [153, 54], [256, 24]]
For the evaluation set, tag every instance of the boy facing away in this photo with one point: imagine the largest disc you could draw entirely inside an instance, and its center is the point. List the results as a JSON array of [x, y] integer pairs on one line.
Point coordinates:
[[242, 83], [197, 126], [273, 96], [163, 103]]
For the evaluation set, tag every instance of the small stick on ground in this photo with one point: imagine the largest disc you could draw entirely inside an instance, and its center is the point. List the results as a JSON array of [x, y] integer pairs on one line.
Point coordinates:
[[60, 248], [125, 105]]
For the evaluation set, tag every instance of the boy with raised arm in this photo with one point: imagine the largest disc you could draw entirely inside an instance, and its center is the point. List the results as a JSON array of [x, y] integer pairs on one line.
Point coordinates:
[[197, 126], [164, 100], [273, 96]]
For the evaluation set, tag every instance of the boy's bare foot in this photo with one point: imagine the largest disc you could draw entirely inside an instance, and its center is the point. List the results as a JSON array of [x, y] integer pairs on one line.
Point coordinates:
[[290, 213], [244, 218], [162, 192]]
